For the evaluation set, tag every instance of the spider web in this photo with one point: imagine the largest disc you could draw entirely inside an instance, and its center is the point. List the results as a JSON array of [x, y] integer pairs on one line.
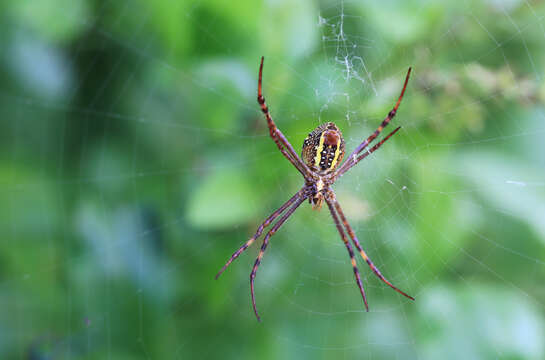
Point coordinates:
[[136, 160]]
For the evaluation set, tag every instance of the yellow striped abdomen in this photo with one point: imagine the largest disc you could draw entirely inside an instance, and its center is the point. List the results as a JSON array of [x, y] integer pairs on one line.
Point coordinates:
[[323, 149]]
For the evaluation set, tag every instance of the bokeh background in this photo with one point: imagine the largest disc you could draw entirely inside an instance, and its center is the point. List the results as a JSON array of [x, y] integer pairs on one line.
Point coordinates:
[[134, 160]]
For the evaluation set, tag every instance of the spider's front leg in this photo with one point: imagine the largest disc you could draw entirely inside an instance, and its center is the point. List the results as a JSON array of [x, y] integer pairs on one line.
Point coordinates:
[[353, 159], [281, 141]]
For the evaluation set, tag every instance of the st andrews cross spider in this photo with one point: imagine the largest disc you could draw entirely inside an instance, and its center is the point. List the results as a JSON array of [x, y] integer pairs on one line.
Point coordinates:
[[323, 151]]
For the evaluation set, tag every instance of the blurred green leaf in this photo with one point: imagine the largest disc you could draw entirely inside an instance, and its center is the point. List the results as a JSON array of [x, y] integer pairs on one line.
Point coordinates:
[[222, 200], [289, 18], [479, 321], [509, 185], [42, 17]]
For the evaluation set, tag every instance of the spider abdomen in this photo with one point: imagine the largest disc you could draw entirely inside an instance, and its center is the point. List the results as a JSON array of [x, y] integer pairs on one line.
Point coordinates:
[[323, 149]]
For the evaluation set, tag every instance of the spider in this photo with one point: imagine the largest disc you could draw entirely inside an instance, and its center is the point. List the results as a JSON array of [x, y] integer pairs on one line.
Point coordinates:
[[323, 151]]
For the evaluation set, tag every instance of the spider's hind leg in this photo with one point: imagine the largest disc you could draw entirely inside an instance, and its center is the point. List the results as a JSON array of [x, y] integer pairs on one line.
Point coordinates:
[[329, 200], [352, 235], [260, 229], [271, 232]]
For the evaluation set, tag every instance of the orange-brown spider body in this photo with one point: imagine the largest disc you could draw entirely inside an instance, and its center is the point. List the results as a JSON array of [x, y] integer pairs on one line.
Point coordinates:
[[323, 150]]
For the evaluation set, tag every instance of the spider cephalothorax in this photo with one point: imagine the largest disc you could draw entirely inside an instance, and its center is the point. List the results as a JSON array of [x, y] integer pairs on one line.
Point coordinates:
[[323, 151]]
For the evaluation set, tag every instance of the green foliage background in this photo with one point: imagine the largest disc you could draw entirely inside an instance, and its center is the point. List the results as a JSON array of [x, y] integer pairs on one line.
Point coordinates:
[[134, 160]]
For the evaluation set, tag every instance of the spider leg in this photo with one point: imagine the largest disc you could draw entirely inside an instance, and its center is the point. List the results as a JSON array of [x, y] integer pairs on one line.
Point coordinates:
[[367, 153], [349, 248], [271, 232], [362, 252], [263, 225], [351, 159], [277, 135]]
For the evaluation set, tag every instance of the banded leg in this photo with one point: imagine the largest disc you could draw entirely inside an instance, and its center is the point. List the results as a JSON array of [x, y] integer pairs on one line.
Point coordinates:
[[362, 253], [277, 135], [349, 248], [271, 232], [266, 223], [351, 159], [368, 152]]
